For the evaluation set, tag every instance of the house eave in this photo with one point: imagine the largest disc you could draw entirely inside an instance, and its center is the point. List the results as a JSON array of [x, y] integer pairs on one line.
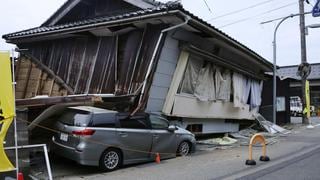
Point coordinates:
[[68, 30], [194, 22]]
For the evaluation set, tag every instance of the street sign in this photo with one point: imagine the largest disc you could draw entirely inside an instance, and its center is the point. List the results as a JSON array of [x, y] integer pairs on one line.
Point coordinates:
[[304, 70], [316, 9]]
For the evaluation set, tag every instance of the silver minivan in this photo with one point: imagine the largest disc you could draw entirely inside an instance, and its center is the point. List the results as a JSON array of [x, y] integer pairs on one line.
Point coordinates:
[[108, 139]]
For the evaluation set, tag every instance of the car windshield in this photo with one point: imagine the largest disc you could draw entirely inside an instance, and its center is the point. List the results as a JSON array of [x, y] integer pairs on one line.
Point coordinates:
[[75, 118]]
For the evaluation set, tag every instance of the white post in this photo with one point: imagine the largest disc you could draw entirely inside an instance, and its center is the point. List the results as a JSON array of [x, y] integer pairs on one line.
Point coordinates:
[[15, 119], [45, 151], [45, 154], [274, 43]]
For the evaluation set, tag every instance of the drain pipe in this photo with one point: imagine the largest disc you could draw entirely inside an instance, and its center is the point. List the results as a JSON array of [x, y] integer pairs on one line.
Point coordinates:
[[187, 18]]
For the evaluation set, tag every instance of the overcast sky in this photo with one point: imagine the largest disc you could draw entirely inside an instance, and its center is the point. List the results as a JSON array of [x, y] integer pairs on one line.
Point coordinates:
[[243, 26]]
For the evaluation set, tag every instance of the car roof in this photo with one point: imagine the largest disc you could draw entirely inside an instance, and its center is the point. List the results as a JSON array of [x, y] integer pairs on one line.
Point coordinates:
[[95, 110]]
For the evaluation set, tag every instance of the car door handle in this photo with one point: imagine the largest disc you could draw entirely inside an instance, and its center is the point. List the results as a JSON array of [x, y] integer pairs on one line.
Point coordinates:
[[156, 136], [122, 134]]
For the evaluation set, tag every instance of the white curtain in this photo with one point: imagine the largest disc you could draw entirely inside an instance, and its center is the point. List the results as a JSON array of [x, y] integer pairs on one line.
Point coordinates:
[[256, 90], [205, 88], [223, 85], [241, 89], [237, 80], [210, 83], [246, 90], [191, 75]]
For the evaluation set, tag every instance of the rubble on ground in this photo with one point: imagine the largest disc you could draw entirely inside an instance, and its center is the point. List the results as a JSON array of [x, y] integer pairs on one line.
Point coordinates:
[[269, 130]]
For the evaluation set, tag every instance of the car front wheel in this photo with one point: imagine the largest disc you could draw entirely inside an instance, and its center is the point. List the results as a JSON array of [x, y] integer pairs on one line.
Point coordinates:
[[184, 148], [110, 160]]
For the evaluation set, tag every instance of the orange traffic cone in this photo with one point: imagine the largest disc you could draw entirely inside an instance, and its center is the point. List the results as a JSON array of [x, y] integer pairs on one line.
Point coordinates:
[[20, 176], [157, 158]]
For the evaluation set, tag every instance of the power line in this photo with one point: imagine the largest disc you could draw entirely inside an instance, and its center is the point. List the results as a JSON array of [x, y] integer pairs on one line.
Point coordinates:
[[258, 15], [272, 20], [207, 5], [240, 10]]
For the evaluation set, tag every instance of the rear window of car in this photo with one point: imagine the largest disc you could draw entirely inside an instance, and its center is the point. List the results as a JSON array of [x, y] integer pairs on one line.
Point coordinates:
[[104, 120], [75, 118]]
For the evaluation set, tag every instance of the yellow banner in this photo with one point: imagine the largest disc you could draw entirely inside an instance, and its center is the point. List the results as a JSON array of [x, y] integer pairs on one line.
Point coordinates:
[[5, 164], [6, 93], [308, 98], [6, 107]]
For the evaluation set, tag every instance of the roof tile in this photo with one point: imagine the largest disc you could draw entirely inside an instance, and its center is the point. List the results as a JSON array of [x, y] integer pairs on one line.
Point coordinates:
[[160, 7]]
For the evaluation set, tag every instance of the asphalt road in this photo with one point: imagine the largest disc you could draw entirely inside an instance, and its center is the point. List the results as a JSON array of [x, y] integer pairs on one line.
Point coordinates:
[[305, 166], [295, 156]]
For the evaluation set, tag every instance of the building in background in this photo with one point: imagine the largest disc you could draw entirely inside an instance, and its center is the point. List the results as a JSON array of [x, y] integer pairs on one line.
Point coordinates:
[[283, 100], [295, 85]]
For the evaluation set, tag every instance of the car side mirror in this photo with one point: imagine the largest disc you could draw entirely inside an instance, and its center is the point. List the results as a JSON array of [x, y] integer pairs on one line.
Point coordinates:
[[172, 128]]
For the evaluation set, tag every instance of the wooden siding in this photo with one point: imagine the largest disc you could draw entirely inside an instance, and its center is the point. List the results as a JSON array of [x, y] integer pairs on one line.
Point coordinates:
[[32, 81], [87, 64]]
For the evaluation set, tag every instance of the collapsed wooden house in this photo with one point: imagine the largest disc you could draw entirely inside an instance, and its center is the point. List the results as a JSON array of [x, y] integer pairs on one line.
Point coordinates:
[[170, 60]]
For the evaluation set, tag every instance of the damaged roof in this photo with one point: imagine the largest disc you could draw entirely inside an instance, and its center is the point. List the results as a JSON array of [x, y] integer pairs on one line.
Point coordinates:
[[68, 5], [157, 10], [84, 23]]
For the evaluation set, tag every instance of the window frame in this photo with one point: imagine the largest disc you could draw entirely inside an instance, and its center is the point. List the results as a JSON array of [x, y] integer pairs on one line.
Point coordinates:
[[108, 116], [122, 116], [161, 118]]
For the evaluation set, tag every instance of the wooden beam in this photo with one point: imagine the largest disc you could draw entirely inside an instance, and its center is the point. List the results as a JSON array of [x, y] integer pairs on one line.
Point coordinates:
[[51, 73], [27, 80], [33, 81], [75, 99], [177, 78], [47, 101]]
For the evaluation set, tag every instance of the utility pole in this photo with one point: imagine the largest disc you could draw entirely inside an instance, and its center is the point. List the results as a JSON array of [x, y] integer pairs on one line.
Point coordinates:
[[303, 57]]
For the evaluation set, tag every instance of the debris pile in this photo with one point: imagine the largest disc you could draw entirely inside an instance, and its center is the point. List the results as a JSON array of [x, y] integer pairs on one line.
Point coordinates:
[[218, 143], [269, 126], [269, 130]]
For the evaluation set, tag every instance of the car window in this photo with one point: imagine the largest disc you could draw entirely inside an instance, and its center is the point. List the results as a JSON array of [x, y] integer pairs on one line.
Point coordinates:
[[75, 118], [104, 120], [134, 123], [158, 122]]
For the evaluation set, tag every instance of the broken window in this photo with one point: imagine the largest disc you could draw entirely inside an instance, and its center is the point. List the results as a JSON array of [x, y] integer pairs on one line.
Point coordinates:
[[246, 91], [206, 81]]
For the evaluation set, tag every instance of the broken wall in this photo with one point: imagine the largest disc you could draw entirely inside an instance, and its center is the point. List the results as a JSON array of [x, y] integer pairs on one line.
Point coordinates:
[[87, 64]]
